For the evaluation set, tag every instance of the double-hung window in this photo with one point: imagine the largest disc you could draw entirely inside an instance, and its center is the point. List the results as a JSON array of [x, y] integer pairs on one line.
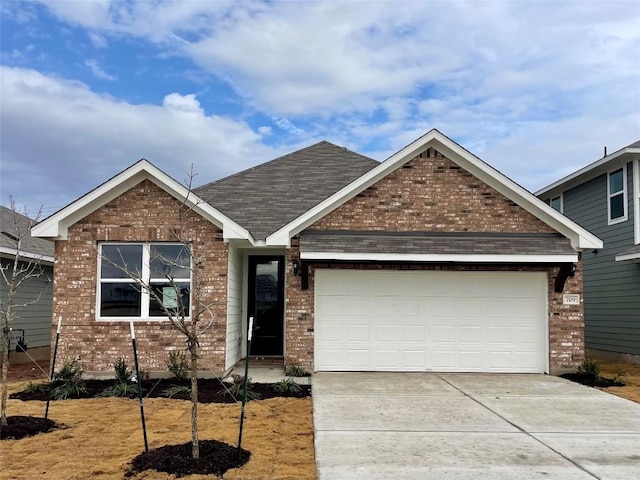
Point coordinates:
[[144, 280], [617, 196]]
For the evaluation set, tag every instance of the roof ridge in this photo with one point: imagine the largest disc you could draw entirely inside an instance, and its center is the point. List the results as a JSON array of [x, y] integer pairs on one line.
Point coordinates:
[[269, 162]]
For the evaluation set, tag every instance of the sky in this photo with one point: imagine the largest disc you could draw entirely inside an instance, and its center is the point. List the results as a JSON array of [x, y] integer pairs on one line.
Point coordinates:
[[534, 88]]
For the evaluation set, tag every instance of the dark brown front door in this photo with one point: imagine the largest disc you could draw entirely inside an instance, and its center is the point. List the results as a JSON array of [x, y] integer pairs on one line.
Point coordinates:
[[266, 304]]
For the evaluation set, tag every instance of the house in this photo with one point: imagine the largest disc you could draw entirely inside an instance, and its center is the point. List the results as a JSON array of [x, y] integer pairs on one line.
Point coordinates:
[[429, 261], [604, 198], [32, 326]]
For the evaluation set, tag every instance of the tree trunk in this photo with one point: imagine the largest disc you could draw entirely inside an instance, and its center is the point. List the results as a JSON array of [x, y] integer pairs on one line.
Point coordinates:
[[195, 447], [5, 373]]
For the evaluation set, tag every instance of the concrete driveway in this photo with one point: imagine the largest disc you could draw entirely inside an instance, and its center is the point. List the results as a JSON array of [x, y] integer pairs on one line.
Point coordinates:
[[471, 426]]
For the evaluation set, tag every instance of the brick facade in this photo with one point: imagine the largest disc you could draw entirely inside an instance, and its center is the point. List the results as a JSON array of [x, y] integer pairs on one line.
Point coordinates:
[[144, 213], [431, 193]]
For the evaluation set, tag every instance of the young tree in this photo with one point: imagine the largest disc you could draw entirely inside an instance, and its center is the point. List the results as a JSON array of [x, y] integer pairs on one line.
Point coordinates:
[[179, 294], [20, 268]]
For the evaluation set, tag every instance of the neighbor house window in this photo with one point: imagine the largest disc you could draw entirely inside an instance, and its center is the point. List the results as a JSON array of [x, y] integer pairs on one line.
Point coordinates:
[[616, 188], [126, 269], [556, 203]]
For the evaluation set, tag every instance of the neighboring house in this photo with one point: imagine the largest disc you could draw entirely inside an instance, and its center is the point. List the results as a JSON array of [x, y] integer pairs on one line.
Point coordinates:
[[429, 261], [604, 197], [35, 318]]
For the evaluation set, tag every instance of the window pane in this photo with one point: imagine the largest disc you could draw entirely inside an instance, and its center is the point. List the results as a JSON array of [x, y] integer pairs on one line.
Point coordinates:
[[170, 261], [617, 206], [556, 203], [169, 295], [125, 257], [616, 180], [119, 300]]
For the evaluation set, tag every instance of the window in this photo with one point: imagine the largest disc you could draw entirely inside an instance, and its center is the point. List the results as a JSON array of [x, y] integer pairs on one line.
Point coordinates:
[[556, 203], [617, 192], [126, 268]]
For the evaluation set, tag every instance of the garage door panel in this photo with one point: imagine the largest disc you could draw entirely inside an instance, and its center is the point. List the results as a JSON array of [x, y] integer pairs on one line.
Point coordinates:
[[422, 321]]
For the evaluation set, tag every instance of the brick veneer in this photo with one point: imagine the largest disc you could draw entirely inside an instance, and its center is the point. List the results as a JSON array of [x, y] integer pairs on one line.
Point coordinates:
[[143, 213], [431, 193]]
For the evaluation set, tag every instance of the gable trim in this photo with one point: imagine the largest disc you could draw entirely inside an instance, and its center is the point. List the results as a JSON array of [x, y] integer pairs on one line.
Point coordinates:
[[580, 238], [438, 258], [56, 226]]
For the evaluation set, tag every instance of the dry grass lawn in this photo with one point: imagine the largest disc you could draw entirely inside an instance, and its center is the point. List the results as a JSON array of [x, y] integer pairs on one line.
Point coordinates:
[[630, 373], [103, 435]]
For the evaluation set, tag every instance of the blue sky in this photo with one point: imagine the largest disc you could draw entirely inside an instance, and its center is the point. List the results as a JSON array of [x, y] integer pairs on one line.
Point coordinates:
[[536, 89]]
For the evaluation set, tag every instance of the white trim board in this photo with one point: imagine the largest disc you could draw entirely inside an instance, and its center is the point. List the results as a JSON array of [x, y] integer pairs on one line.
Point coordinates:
[[581, 239], [11, 252], [464, 258], [56, 226]]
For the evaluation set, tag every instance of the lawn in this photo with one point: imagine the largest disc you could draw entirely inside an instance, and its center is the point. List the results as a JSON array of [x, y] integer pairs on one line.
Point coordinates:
[[101, 436]]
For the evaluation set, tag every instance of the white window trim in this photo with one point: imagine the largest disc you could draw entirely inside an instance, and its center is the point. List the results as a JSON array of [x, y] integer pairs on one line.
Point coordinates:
[[625, 217], [145, 297], [636, 194], [561, 197]]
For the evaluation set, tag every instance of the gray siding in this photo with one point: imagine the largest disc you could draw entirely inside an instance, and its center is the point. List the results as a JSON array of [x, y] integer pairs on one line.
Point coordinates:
[[611, 289], [35, 319]]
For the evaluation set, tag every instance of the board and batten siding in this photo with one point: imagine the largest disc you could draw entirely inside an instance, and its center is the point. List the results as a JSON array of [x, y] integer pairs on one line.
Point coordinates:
[[234, 306], [611, 289], [35, 319]]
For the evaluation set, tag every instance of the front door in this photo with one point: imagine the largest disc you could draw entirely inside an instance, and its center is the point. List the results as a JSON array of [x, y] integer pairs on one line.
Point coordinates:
[[266, 304]]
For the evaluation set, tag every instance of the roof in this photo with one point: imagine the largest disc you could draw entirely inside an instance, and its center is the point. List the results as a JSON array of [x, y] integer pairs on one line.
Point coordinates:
[[580, 238], [16, 226], [56, 225], [597, 168], [435, 246], [268, 196]]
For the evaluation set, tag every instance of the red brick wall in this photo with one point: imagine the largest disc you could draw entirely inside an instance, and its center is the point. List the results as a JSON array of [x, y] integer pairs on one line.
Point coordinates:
[[434, 194], [144, 213]]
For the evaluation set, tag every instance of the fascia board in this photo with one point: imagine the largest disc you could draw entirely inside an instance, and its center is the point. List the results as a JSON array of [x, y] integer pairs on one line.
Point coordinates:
[[627, 256], [448, 258], [588, 172], [580, 238], [284, 234], [6, 252], [57, 224]]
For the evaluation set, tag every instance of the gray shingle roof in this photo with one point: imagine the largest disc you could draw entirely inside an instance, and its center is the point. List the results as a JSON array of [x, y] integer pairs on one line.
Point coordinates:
[[435, 243], [268, 196], [634, 145], [37, 246]]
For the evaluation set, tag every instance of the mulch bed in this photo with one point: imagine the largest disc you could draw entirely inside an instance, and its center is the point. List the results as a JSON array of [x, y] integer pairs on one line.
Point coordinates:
[[215, 459], [591, 381], [19, 426], [210, 390]]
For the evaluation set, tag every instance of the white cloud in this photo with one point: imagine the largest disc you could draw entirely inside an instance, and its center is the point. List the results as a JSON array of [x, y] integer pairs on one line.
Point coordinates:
[[97, 70], [60, 138]]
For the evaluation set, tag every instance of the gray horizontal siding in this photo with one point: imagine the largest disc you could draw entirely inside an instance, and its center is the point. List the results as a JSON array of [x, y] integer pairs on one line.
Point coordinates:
[[35, 319], [611, 289]]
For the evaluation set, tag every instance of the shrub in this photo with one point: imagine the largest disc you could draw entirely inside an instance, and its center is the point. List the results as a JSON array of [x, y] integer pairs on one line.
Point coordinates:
[[178, 365], [590, 368], [124, 386], [236, 389], [36, 387], [69, 381], [295, 371], [287, 385], [176, 390]]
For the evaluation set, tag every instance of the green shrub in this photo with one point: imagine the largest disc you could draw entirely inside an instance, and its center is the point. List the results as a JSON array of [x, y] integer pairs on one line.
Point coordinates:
[[295, 371], [590, 367], [287, 385], [36, 387], [123, 374], [124, 386], [178, 365], [68, 381], [176, 390], [236, 389]]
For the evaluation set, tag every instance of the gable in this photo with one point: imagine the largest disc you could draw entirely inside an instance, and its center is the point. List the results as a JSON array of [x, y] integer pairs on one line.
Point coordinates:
[[431, 193]]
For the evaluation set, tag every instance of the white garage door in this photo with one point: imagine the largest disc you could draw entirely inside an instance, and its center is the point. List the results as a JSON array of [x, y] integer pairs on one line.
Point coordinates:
[[430, 321]]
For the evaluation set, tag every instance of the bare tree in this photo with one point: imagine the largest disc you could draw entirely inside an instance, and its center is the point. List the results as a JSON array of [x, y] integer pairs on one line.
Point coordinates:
[[172, 294], [18, 270]]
